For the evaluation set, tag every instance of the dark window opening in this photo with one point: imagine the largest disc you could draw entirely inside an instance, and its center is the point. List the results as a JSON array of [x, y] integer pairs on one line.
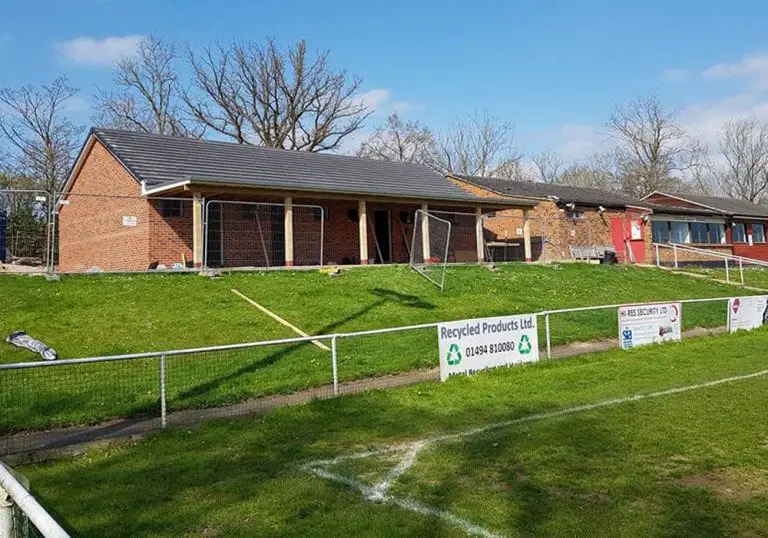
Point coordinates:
[[353, 215], [170, 208]]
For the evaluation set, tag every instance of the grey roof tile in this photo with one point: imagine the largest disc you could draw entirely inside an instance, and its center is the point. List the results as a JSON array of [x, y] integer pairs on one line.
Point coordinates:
[[159, 160]]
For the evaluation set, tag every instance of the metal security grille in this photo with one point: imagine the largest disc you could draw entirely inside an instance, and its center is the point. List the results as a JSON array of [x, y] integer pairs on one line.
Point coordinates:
[[25, 228], [253, 234]]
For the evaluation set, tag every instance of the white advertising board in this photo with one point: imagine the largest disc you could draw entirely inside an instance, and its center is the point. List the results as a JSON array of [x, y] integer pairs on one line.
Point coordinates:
[[640, 325], [477, 344], [747, 313]]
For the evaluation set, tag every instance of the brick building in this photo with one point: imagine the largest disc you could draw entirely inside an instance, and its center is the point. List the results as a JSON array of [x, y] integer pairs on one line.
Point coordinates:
[[135, 201], [715, 224], [566, 223]]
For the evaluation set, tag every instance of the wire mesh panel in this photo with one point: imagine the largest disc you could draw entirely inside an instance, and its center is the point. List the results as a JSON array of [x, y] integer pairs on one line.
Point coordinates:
[[386, 360], [24, 231], [430, 246], [21, 526], [462, 243], [59, 395], [97, 233], [253, 234], [234, 382]]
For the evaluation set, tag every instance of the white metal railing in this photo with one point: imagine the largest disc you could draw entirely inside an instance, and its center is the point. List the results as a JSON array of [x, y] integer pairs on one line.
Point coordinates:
[[730, 261], [13, 495], [333, 338]]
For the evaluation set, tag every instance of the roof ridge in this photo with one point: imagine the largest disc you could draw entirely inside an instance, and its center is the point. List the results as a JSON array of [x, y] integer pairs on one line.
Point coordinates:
[[255, 147]]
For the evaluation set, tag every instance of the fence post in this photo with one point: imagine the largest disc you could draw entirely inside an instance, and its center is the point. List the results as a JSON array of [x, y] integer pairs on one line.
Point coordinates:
[[741, 271], [335, 367], [549, 341], [674, 249], [163, 402], [6, 515], [727, 272], [658, 260]]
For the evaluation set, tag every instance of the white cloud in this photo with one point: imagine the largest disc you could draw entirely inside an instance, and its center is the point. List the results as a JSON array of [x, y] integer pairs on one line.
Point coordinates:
[[577, 141], [90, 51], [753, 68], [373, 99], [76, 104], [706, 119], [675, 75]]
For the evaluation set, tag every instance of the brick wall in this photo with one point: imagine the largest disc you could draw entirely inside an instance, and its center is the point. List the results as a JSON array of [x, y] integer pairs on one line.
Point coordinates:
[[91, 230], [170, 238]]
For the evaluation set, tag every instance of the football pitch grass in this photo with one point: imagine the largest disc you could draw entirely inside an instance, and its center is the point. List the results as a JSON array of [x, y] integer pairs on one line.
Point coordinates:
[[659, 441], [110, 314]]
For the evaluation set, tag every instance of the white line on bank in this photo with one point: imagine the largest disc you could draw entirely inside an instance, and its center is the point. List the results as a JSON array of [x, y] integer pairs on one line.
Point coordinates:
[[277, 318], [379, 492]]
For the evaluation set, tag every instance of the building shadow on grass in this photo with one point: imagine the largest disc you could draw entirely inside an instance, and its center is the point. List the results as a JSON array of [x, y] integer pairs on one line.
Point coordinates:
[[384, 296]]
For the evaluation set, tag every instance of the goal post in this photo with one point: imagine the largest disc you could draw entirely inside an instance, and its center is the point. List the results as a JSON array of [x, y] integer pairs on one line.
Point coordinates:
[[429, 246]]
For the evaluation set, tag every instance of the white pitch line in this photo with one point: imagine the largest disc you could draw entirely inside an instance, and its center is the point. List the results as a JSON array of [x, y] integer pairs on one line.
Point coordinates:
[[409, 504], [379, 491], [536, 417], [277, 318]]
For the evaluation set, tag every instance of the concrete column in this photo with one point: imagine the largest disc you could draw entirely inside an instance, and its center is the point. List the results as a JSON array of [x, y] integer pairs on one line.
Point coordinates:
[[288, 225], [479, 235], [527, 236], [198, 235], [425, 249], [362, 226]]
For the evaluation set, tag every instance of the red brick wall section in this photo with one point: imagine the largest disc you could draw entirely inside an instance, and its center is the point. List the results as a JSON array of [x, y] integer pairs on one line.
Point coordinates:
[[660, 199], [170, 238], [91, 230]]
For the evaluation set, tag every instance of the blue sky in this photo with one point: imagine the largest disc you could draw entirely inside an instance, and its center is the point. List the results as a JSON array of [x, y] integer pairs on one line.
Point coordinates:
[[554, 68]]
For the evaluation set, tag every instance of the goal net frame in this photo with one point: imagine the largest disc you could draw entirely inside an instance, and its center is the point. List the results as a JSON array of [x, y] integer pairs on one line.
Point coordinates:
[[422, 243]]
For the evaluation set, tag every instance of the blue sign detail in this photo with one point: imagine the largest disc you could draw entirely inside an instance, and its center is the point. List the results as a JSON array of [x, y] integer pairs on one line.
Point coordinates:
[[626, 339]]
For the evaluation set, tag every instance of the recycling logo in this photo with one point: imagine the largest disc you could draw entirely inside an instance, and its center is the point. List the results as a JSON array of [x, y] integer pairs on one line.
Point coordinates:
[[524, 347], [454, 355]]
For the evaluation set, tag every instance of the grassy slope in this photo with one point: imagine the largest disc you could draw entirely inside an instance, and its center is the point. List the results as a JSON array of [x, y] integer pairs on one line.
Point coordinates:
[[113, 314], [753, 276], [610, 472]]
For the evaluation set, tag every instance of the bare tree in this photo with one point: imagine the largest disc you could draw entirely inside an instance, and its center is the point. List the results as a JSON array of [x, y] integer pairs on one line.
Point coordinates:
[[261, 95], [146, 96], [42, 141], [400, 140], [548, 165], [597, 171], [744, 146], [480, 145], [650, 146]]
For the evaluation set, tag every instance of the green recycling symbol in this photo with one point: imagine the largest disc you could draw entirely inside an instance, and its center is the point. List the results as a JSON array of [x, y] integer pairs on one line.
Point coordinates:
[[524, 347], [454, 355]]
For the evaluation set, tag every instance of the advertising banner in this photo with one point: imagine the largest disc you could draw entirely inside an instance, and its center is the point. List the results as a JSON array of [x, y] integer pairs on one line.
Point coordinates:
[[641, 325], [476, 344], [747, 313]]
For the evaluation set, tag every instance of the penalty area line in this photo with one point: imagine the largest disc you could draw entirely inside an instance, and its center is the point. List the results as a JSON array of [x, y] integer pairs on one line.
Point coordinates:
[[277, 318]]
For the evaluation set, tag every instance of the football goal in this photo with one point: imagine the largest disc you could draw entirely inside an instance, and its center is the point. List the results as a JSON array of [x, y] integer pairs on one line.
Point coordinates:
[[429, 246]]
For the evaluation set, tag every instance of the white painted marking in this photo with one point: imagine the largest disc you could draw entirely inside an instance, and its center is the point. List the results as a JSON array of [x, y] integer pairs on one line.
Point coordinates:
[[379, 492], [277, 318]]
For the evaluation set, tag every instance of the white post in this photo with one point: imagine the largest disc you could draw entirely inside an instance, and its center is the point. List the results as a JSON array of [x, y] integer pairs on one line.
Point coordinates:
[[335, 366], [727, 272], [549, 341], [362, 226], [479, 235], [6, 515], [527, 236], [426, 250], [288, 226], [198, 238], [674, 250], [163, 399], [741, 271], [658, 260]]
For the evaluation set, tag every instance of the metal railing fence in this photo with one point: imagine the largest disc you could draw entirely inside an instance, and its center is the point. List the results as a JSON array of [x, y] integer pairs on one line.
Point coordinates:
[[153, 389], [705, 261], [21, 515]]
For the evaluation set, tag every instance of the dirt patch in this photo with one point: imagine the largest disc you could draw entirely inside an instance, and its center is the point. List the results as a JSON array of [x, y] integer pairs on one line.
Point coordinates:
[[731, 484]]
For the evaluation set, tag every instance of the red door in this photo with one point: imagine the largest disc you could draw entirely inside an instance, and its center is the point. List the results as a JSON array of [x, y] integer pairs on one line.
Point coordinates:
[[621, 234]]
